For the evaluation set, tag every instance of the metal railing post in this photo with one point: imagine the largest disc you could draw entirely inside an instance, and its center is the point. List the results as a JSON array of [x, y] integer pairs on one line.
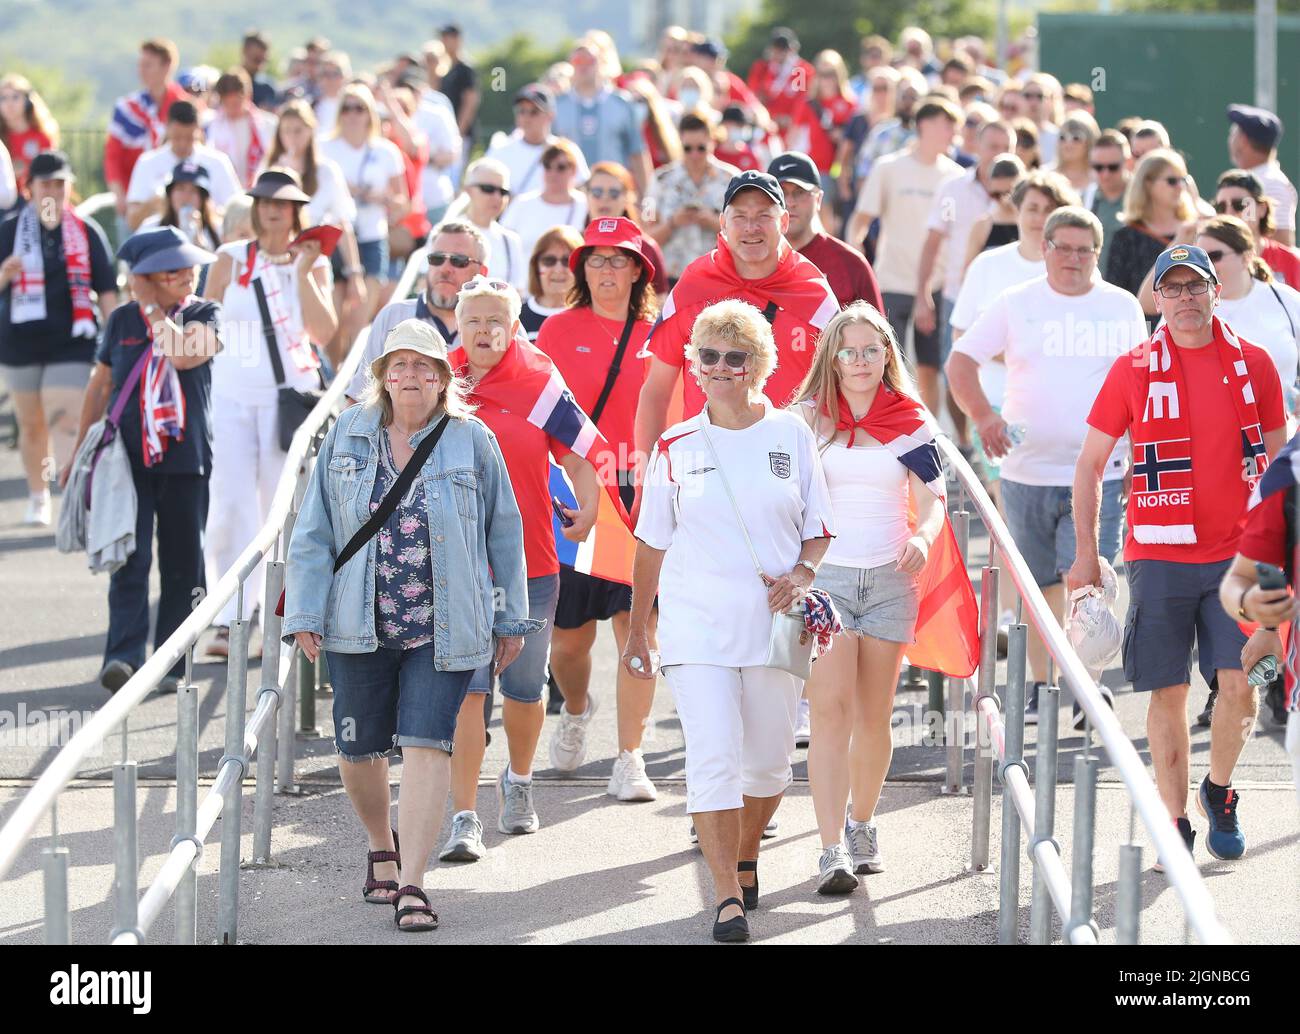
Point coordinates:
[[187, 799], [126, 850], [55, 864], [1085, 817], [1014, 718], [285, 742], [265, 788], [1040, 907], [306, 671], [232, 805], [954, 716], [982, 790], [1128, 905]]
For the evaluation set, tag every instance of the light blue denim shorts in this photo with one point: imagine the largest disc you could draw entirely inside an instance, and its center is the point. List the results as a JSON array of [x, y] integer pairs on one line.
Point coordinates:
[[524, 679], [877, 601]]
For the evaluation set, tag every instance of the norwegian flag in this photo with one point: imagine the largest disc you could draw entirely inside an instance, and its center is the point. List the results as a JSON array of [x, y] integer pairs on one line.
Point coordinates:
[[1163, 466], [1253, 456]]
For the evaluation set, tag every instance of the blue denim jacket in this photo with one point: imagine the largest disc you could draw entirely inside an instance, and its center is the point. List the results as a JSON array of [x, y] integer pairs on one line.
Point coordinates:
[[475, 534]]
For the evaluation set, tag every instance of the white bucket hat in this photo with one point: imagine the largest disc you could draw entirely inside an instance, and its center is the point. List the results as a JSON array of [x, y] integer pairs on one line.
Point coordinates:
[[415, 336]]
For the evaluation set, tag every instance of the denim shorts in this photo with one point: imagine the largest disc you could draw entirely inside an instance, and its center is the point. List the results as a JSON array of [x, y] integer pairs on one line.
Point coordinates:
[[1042, 524], [877, 601], [393, 698], [374, 258], [524, 679], [1172, 605]]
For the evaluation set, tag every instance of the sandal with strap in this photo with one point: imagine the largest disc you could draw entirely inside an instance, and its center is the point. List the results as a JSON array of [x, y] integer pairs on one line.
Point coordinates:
[[735, 929], [373, 884], [411, 910], [750, 894]]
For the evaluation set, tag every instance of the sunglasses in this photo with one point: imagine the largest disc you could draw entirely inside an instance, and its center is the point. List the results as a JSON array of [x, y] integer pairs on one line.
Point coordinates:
[[560, 167], [614, 261], [1219, 254], [477, 282], [458, 261], [870, 354], [1236, 204], [599, 193], [352, 109], [695, 148], [550, 261], [999, 195], [735, 359], [1107, 166], [1174, 181], [1195, 287], [1032, 96], [488, 188], [1074, 138]]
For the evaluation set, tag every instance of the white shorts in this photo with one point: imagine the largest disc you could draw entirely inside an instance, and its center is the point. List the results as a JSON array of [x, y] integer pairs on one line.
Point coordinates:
[[739, 728], [1293, 746]]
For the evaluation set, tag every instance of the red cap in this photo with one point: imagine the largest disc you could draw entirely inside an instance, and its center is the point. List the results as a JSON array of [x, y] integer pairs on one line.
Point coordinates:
[[619, 232]]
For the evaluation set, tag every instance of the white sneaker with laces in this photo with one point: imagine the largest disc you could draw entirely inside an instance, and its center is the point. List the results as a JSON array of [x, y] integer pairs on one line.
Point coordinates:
[[568, 746], [803, 725], [466, 841], [835, 871], [39, 510], [629, 781], [864, 846]]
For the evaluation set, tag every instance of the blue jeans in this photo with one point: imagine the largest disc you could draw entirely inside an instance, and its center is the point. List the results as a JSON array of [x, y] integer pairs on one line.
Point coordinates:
[[1042, 524], [524, 679], [393, 698]]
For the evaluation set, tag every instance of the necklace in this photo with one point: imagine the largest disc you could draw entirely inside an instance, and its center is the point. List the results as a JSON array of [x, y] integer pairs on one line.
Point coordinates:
[[278, 260]]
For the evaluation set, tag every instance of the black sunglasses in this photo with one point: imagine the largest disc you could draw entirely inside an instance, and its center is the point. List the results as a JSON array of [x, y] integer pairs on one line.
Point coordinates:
[[695, 148], [1107, 166], [1217, 255], [489, 188], [1237, 204], [735, 359], [351, 109], [550, 261], [458, 261]]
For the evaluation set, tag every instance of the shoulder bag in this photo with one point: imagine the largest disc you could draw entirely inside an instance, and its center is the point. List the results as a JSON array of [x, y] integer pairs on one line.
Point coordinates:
[[292, 404], [789, 643]]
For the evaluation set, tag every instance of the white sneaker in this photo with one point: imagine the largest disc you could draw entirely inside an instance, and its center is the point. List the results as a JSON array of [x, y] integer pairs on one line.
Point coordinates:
[[39, 510], [771, 829], [864, 847], [835, 871], [569, 740], [629, 781], [803, 725], [466, 841]]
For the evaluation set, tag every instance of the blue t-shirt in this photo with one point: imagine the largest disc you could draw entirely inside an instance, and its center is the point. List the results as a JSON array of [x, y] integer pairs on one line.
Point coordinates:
[[125, 338], [606, 129], [403, 590]]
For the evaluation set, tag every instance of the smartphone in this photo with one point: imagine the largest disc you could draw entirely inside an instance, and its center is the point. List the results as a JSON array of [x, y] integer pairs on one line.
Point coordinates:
[[1270, 576], [564, 518]]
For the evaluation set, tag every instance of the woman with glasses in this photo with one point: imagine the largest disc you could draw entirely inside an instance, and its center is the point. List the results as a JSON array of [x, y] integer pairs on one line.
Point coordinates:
[[1158, 211], [999, 225], [26, 126], [859, 382], [484, 197], [549, 278], [375, 174], [1074, 148], [612, 194], [1043, 108], [1241, 194], [558, 203], [594, 344], [739, 459]]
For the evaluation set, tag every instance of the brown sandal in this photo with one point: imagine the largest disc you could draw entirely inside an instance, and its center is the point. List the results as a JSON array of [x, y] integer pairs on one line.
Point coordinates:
[[373, 884], [410, 910]]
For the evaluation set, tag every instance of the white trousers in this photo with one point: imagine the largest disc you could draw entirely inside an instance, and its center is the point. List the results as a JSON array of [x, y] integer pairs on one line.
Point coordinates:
[[739, 728], [1293, 747], [246, 465]]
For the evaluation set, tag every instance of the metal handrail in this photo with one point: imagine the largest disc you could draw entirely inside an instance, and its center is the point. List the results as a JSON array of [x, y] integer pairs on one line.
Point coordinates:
[[1181, 871], [37, 803]]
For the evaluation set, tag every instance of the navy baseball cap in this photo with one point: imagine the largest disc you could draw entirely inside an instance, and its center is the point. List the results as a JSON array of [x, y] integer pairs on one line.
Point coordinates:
[[189, 171], [707, 48], [536, 93], [50, 165], [1185, 255], [797, 168], [1262, 127], [758, 181]]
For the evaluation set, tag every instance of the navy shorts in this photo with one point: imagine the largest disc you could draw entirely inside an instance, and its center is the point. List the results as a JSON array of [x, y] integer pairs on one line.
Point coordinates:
[[374, 258], [928, 347], [1171, 607], [393, 698]]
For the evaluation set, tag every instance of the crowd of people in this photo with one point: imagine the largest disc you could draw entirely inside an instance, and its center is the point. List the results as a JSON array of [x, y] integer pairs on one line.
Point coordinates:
[[721, 313]]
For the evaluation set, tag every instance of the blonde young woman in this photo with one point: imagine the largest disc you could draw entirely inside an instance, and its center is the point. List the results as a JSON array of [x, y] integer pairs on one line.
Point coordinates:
[[1074, 149], [858, 383]]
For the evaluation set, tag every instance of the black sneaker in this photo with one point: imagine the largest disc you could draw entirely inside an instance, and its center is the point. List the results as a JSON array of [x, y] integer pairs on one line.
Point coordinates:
[[1080, 718], [1189, 839], [1274, 700], [1031, 703], [1204, 719], [115, 675]]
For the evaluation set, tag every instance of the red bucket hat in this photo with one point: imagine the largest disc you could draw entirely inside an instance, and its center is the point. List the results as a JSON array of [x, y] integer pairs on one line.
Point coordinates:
[[619, 232]]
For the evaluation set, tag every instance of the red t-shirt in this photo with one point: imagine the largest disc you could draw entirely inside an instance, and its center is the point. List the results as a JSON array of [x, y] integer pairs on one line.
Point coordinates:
[[742, 157], [812, 124], [1284, 261], [582, 346], [849, 274], [416, 221], [1264, 538], [1219, 491], [783, 97], [23, 147], [525, 448]]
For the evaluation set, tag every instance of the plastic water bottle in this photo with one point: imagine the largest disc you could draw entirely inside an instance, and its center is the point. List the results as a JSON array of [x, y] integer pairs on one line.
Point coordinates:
[[635, 662], [1016, 434], [1264, 671]]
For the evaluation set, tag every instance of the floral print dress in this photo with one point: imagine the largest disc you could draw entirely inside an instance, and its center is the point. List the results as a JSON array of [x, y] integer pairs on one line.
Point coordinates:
[[403, 576]]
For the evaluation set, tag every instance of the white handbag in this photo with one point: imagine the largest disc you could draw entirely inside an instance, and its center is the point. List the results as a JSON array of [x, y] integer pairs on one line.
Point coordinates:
[[789, 643]]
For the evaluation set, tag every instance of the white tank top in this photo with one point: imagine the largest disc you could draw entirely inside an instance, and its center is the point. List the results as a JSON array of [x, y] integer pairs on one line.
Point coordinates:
[[868, 489]]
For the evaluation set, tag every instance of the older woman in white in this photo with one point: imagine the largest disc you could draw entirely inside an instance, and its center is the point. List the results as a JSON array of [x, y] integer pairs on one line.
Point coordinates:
[[715, 615]]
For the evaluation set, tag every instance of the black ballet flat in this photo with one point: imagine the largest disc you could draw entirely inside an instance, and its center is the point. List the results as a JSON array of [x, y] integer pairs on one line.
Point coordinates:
[[734, 930]]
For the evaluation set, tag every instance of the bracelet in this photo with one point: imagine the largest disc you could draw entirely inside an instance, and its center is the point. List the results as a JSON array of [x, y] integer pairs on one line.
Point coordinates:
[[812, 568], [1241, 604]]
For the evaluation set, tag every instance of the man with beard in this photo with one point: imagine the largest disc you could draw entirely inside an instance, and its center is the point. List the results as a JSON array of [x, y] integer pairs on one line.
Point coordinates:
[[457, 253]]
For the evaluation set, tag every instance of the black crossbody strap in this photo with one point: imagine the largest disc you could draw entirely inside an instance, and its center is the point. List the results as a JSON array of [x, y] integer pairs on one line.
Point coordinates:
[[391, 498], [612, 376], [769, 312], [1289, 516], [268, 332]]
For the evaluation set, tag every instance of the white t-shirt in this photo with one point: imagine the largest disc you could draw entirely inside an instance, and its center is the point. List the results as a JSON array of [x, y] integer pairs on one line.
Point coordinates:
[[530, 216], [507, 259], [153, 170], [958, 204], [1058, 349], [869, 497], [372, 166], [900, 190], [327, 116], [1281, 190], [712, 604], [438, 123], [1270, 320], [332, 203], [524, 160]]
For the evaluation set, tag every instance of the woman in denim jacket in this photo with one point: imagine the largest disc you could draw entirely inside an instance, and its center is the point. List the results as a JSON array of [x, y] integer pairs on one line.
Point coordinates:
[[408, 619]]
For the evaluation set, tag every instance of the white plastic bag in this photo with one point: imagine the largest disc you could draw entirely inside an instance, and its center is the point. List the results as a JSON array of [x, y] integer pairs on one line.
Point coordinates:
[[1094, 630]]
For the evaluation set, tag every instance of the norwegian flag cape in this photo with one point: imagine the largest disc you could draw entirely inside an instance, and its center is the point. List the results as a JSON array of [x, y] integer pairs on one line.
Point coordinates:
[[947, 624], [526, 381], [1283, 474]]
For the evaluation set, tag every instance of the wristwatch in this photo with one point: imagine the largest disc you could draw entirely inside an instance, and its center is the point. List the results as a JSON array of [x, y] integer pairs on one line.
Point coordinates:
[[812, 568]]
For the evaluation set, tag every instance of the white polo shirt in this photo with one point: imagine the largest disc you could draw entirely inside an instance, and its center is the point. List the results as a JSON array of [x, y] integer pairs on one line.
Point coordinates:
[[712, 604], [154, 169], [958, 204], [1058, 349]]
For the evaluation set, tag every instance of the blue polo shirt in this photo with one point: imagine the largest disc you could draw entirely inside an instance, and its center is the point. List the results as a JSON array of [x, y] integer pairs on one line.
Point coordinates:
[[125, 338]]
